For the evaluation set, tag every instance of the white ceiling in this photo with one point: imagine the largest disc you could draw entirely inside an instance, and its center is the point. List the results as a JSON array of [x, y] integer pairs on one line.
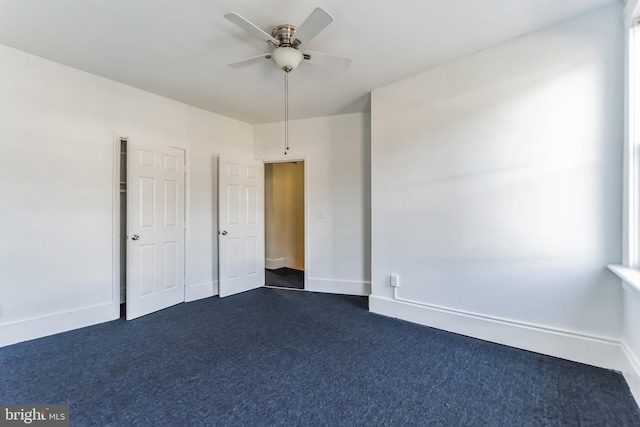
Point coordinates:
[[180, 48]]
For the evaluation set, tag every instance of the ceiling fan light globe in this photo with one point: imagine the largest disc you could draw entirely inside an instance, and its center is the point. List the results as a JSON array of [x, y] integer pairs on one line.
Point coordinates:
[[287, 58]]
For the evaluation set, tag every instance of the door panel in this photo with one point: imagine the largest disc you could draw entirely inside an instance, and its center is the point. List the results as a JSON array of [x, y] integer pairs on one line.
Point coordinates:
[[155, 227], [146, 261], [170, 265], [241, 217]]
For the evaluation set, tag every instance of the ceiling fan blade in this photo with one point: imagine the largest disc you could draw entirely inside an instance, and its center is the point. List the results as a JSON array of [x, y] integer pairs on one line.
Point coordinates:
[[311, 26], [249, 61], [251, 28], [324, 59]]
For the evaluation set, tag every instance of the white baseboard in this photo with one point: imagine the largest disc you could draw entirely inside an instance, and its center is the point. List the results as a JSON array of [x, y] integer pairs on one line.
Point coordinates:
[[592, 350], [38, 327], [274, 264], [200, 291], [345, 287]]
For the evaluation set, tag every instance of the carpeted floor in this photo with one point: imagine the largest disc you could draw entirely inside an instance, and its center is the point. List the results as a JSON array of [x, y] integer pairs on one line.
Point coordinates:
[[284, 278], [275, 357]]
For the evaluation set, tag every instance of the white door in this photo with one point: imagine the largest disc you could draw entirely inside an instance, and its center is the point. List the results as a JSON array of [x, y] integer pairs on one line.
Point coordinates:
[[155, 227], [241, 225]]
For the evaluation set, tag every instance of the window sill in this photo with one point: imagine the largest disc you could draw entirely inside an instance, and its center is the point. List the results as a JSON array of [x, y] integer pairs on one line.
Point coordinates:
[[630, 276]]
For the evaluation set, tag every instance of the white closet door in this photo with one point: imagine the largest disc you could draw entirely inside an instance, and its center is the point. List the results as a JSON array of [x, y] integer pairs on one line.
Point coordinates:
[[155, 227]]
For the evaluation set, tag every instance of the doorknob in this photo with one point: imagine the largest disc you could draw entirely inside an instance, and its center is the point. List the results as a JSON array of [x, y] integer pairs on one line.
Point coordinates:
[[135, 237], [224, 232]]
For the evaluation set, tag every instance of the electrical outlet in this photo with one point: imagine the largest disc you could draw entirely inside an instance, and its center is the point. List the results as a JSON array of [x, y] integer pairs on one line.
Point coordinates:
[[394, 281]]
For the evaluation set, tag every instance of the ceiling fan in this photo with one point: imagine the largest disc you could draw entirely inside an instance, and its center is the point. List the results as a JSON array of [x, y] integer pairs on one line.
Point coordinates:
[[287, 41]]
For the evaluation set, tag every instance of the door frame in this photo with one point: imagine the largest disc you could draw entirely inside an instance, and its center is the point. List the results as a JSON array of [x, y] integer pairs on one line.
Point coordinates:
[[117, 136], [297, 158]]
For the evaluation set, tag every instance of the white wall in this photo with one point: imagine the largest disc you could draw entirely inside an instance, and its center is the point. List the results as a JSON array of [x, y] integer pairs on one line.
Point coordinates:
[[336, 153], [57, 167], [284, 215], [629, 267], [496, 192]]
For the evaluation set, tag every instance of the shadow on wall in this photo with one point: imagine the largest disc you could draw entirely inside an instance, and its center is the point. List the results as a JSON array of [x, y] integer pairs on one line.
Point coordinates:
[[350, 177]]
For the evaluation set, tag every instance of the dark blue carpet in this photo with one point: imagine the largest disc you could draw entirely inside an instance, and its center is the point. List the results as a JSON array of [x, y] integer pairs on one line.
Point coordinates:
[[274, 357], [285, 278]]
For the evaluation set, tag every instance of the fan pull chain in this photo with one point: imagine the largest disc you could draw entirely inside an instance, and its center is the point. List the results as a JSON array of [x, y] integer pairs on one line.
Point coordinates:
[[286, 112]]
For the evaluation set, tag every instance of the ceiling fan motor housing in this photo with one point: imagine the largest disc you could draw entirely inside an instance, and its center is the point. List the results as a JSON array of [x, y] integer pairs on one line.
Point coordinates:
[[283, 34]]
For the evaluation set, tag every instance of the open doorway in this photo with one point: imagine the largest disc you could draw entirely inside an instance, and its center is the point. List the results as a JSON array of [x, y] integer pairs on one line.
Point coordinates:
[[284, 225]]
